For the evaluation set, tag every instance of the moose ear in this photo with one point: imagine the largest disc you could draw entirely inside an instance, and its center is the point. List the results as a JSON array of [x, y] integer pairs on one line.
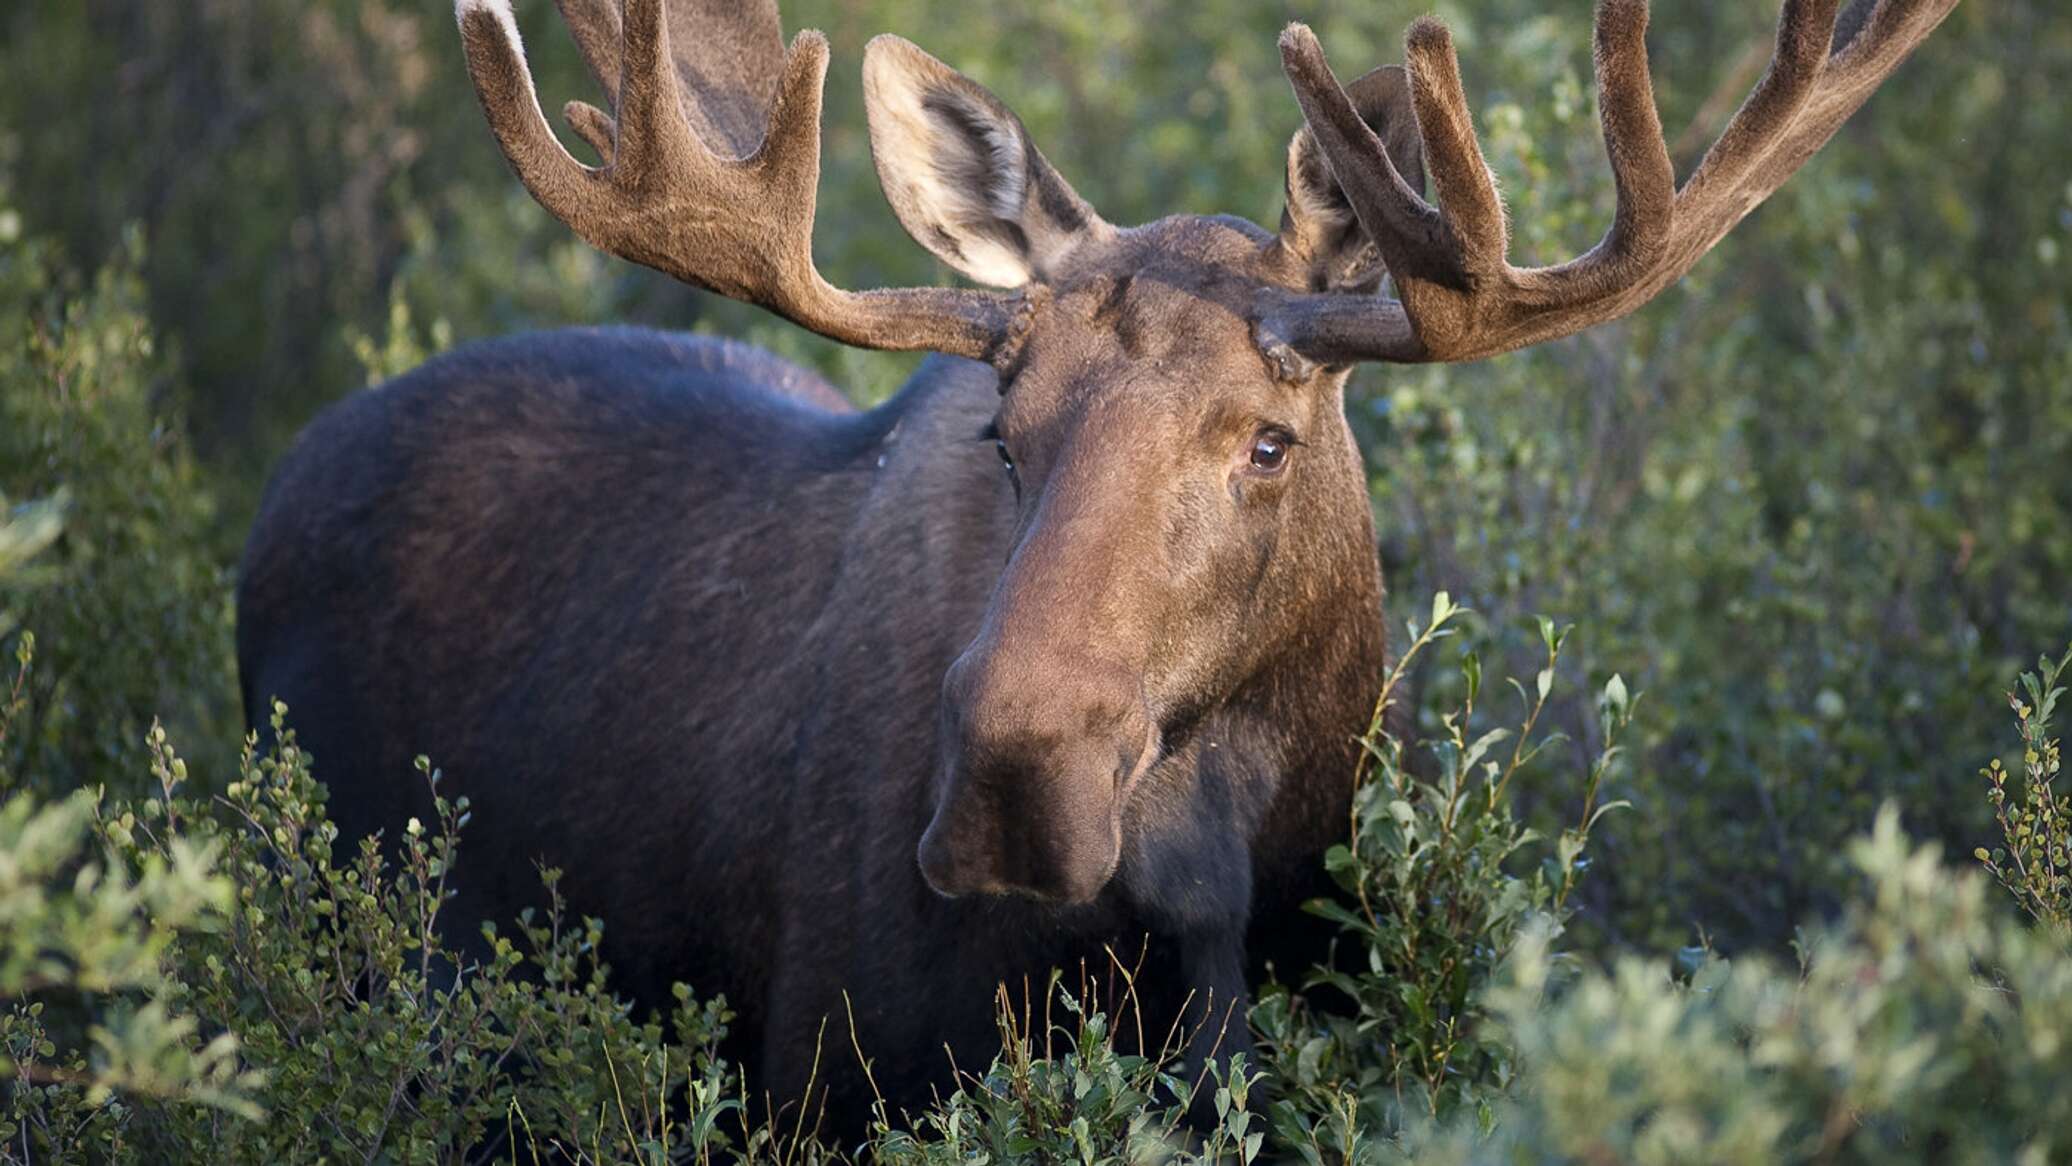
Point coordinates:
[[1319, 228], [961, 173]]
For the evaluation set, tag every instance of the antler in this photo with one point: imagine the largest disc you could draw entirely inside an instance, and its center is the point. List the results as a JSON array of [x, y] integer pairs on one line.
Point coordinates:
[[1459, 298], [738, 224]]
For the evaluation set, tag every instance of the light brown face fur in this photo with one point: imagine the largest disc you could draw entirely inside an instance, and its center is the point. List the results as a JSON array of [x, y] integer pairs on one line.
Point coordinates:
[[1179, 497]]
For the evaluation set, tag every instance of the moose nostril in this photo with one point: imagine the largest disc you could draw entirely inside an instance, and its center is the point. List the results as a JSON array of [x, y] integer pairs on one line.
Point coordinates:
[[1038, 754], [960, 857]]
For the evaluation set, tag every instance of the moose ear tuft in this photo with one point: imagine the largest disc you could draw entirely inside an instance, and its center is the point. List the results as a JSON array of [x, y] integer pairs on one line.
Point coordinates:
[[1318, 226], [961, 174]]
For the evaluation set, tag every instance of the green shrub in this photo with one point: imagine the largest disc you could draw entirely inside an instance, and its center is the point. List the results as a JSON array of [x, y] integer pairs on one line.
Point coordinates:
[[79, 922], [356, 1025], [391, 1042], [1439, 881], [131, 602], [1061, 1092], [1814, 498], [2035, 865], [1925, 1025]]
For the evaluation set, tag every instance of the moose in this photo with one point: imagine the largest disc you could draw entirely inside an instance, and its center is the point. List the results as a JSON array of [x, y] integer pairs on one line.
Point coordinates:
[[1060, 653]]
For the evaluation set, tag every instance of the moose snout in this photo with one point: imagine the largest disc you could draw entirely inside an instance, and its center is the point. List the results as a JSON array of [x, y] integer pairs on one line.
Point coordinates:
[[1036, 758]]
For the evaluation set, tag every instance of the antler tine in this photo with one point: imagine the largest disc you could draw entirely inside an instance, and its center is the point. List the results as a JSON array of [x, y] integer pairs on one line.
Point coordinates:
[[1462, 181], [597, 31], [1407, 231], [489, 34], [1643, 178], [1805, 28], [652, 133], [1871, 38], [738, 226], [1459, 297]]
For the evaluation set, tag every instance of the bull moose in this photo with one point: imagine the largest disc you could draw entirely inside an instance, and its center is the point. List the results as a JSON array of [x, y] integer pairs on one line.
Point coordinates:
[[1060, 651]]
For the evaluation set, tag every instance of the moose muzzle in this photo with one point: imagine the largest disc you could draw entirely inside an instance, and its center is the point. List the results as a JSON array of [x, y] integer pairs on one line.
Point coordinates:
[[1037, 758]]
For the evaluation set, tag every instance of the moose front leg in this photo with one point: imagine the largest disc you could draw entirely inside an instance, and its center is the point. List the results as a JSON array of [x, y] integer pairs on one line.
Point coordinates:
[[1216, 1017]]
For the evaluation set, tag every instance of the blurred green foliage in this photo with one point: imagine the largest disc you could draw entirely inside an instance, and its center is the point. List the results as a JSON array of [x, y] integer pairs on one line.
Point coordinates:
[[128, 591]]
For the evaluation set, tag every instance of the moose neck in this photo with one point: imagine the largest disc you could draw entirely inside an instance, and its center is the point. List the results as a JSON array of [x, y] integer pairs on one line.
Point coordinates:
[[1312, 699]]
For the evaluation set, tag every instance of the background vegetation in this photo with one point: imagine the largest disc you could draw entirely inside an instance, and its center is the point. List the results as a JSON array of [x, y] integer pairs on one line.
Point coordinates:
[[1814, 502]]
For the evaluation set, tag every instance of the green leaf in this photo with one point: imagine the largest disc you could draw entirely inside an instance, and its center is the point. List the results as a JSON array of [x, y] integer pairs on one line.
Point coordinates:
[[1615, 693]]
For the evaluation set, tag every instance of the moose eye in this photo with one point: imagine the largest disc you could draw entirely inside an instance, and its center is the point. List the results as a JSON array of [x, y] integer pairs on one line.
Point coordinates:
[[1270, 451]]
